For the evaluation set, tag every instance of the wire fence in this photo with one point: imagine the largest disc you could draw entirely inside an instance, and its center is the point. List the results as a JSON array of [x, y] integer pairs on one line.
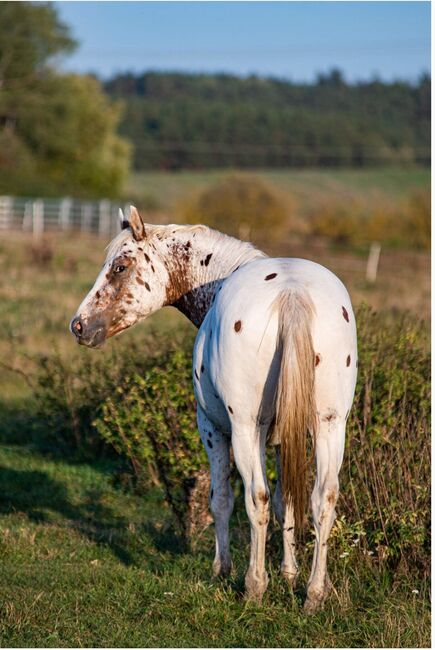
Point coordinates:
[[39, 215]]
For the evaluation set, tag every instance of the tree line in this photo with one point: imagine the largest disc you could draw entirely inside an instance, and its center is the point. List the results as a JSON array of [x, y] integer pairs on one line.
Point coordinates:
[[177, 121], [73, 134]]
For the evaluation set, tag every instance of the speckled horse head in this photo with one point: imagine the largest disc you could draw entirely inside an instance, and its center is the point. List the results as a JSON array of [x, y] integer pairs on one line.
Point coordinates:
[[148, 267]]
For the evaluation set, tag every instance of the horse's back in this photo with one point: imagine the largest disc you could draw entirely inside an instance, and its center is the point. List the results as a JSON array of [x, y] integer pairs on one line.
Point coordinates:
[[236, 347]]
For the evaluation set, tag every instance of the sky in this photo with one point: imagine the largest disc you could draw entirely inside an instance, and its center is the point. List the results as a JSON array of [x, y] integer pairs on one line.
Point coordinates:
[[291, 40]]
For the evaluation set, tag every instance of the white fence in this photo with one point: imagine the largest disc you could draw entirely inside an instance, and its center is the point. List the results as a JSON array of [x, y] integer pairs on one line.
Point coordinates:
[[65, 214]]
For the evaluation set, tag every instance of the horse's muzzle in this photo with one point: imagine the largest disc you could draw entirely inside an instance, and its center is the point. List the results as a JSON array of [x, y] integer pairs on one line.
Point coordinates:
[[91, 334]]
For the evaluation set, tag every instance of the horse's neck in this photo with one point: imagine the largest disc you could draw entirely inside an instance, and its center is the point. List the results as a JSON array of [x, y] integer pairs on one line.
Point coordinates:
[[198, 259]]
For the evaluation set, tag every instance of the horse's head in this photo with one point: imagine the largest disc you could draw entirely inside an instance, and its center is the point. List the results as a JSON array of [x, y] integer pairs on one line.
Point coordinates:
[[130, 286]]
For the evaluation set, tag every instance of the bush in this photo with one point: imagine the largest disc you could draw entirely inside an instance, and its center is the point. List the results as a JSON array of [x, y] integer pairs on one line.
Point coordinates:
[[140, 401], [137, 402], [151, 420], [386, 474], [350, 222], [337, 221], [418, 222], [70, 392], [242, 206]]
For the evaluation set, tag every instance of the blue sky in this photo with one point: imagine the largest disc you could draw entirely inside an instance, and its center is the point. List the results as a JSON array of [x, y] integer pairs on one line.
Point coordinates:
[[294, 40]]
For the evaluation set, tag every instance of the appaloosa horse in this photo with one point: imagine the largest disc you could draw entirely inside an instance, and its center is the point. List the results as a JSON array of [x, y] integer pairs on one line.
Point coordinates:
[[275, 357]]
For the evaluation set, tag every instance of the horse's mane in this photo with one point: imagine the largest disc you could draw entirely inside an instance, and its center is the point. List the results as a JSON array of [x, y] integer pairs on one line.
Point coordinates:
[[162, 231]]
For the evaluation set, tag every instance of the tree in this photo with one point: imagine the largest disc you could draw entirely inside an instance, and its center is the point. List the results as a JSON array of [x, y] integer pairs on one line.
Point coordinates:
[[57, 131]]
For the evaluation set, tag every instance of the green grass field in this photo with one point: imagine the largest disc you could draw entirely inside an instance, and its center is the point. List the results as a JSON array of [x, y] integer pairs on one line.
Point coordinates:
[[85, 564]]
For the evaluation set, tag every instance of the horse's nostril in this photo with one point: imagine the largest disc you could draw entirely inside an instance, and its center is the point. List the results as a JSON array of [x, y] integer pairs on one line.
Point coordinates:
[[77, 327]]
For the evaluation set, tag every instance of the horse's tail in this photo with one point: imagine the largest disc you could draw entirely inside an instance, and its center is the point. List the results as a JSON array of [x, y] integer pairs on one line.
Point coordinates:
[[295, 399]]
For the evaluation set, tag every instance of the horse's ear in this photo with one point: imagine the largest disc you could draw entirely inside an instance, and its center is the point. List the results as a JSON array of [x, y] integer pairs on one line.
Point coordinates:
[[122, 220], [136, 224]]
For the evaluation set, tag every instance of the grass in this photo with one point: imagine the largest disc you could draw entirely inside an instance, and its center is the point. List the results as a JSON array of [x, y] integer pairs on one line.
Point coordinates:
[[88, 565]]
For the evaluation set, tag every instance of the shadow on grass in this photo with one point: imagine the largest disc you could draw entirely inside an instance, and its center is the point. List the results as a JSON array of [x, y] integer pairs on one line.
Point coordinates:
[[34, 492], [165, 539]]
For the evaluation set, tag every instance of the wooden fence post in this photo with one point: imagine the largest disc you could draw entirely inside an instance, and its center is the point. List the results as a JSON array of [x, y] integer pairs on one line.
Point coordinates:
[[64, 214], [373, 262], [38, 218], [104, 218], [28, 216], [6, 212]]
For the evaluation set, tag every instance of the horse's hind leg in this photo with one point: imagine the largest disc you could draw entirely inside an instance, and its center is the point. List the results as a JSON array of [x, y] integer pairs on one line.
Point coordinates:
[[285, 515], [249, 454], [217, 446], [329, 455]]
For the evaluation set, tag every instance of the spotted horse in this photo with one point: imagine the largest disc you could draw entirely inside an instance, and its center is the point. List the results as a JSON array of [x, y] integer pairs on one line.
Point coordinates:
[[275, 361]]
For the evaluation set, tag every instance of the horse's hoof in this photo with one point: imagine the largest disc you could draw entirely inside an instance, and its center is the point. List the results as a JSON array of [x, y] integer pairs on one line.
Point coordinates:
[[290, 578], [316, 599], [255, 597], [313, 604], [222, 569], [255, 587]]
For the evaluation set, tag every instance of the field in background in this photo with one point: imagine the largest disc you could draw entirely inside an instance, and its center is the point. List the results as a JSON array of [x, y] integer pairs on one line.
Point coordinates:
[[166, 191]]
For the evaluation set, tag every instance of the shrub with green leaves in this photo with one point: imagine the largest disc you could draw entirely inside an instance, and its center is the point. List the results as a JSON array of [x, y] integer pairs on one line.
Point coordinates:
[[70, 392], [386, 473], [151, 420]]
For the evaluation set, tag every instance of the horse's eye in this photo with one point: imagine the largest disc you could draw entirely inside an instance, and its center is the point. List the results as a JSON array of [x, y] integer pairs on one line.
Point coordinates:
[[120, 268]]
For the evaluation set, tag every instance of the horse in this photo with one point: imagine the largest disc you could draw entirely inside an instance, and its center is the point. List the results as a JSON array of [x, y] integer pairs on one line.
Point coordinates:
[[274, 361]]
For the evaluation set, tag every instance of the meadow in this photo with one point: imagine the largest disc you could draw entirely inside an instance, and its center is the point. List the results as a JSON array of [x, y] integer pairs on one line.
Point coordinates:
[[93, 556], [167, 191]]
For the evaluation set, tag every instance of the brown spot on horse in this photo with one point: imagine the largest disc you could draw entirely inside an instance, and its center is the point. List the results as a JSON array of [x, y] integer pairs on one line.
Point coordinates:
[[271, 276], [345, 314], [263, 497], [238, 325], [348, 360], [332, 497], [330, 416]]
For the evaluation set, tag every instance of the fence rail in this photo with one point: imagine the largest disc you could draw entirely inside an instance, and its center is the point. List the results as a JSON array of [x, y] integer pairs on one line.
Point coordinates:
[[39, 215]]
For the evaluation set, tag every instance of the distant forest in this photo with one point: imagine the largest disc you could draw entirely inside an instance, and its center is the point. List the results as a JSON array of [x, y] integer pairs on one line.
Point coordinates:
[[177, 121]]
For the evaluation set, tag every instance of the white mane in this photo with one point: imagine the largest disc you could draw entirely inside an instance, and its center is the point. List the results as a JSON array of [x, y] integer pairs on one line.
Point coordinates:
[[236, 250]]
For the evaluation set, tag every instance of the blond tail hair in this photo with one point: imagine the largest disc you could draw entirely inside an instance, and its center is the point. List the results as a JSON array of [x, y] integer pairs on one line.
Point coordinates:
[[295, 399]]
